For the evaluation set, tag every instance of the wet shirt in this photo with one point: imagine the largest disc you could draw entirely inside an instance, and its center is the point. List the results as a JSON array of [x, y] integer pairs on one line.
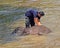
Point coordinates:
[[31, 12]]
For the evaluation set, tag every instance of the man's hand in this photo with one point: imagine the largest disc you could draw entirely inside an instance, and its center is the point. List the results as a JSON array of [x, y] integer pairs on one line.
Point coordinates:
[[37, 22]]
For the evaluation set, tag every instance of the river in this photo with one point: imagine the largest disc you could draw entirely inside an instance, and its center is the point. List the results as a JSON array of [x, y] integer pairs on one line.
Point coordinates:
[[13, 16]]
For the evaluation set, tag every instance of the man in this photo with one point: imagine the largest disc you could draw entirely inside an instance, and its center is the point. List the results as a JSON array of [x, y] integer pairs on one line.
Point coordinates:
[[33, 17]]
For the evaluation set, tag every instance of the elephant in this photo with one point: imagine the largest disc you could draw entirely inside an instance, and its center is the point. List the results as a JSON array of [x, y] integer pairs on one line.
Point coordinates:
[[39, 30]]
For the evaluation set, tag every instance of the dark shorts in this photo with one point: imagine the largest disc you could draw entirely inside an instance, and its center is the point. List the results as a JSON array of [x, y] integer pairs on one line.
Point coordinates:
[[29, 21]]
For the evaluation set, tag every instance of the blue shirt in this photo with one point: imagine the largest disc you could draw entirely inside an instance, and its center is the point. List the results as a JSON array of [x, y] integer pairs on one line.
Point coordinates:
[[31, 12]]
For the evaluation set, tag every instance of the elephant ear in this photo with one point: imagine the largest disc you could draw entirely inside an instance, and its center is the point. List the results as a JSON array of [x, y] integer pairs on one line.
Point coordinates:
[[18, 30]]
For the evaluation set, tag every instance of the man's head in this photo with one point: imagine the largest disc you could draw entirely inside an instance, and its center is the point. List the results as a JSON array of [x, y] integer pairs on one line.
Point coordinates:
[[41, 13]]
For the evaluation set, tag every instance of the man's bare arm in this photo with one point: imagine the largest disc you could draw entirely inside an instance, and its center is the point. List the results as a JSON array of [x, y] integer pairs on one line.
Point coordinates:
[[37, 22]]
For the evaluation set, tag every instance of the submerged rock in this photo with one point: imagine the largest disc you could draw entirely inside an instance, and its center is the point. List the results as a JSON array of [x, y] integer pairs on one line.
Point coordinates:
[[40, 30]]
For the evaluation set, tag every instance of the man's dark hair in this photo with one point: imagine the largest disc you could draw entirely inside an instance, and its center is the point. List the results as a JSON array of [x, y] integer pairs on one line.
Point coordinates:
[[41, 13]]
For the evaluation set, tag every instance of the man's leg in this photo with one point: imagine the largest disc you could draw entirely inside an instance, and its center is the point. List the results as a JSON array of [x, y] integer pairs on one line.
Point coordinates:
[[31, 19], [27, 23], [32, 23]]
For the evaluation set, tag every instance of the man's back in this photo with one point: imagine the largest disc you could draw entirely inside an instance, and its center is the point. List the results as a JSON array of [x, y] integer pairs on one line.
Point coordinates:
[[31, 12]]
